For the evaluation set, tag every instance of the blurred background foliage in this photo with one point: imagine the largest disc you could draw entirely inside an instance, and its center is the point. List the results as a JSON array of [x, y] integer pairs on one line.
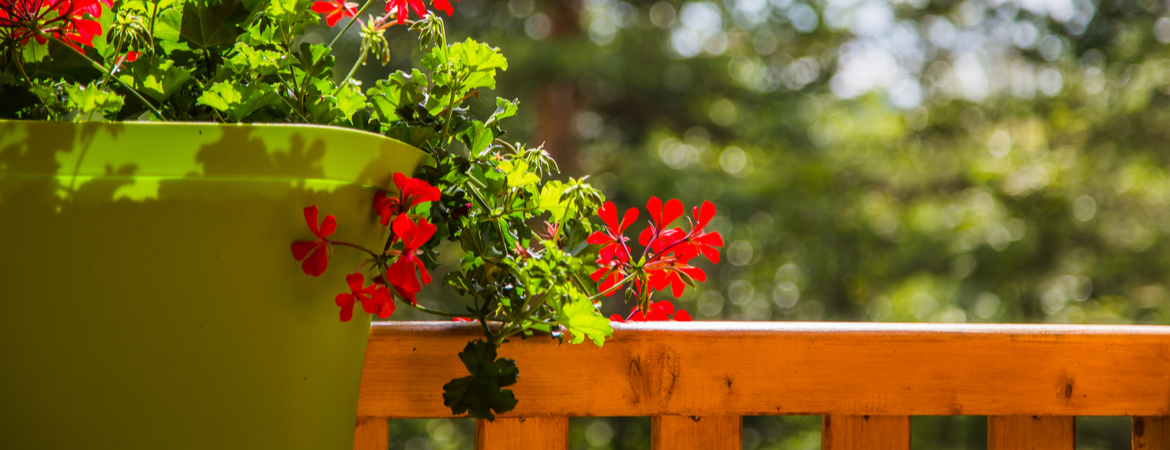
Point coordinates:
[[872, 160]]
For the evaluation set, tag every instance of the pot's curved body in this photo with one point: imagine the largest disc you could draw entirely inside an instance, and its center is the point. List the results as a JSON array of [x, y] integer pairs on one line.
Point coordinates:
[[149, 298]]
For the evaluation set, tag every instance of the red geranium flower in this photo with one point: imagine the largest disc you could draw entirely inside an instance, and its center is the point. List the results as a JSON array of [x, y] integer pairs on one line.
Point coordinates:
[[317, 252], [401, 274], [661, 217], [398, 7], [665, 272], [665, 259], [656, 312], [443, 5], [334, 10], [66, 20], [608, 275], [80, 32], [374, 298], [612, 239], [705, 242], [411, 192]]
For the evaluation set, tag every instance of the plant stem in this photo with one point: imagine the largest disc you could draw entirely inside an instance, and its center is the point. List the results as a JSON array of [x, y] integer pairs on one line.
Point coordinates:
[[346, 244], [431, 311], [350, 24], [450, 112], [510, 211], [20, 65], [614, 287], [361, 60], [507, 330], [109, 75], [291, 106], [460, 101], [153, 15], [102, 69]]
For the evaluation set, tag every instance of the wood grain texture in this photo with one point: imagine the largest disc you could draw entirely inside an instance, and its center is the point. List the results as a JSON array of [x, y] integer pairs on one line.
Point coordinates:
[[371, 433], [760, 368], [1151, 433], [865, 433], [545, 433], [696, 433], [1031, 433]]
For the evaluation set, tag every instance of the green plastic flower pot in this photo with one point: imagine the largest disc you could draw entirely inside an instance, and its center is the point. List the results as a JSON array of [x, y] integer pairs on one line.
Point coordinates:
[[149, 298]]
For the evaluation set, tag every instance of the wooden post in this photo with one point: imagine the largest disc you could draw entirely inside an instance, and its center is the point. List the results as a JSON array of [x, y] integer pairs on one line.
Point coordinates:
[[693, 432], [371, 433], [1031, 433], [1151, 433], [865, 433], [551, 433]]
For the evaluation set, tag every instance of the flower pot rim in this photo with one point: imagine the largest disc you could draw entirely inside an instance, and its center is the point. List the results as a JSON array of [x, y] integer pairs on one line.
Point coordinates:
[[208, 150]]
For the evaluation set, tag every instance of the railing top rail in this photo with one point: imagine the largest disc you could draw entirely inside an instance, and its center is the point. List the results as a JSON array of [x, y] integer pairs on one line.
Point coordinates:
[[763, 368], [872, 328]]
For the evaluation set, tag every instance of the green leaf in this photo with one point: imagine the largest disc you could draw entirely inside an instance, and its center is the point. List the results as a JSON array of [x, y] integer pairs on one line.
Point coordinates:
[[518, 174], [478, 139], [480, 393], [576, 237], [157, 78], [67, 65], [256, 63], [504, 110], [350, 99], [48, 93], [582, 319], [237, 101], [282, 9], [291, 14], [88, 100], [320, 108], [314, 59], [212, 23], [550, 200], [396, 92], [35, 52], [412, 135], [476, 63], [478, 56], [169, 23]]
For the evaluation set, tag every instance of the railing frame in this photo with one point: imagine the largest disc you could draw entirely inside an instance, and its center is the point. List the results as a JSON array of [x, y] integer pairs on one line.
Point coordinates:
[[697, 379]]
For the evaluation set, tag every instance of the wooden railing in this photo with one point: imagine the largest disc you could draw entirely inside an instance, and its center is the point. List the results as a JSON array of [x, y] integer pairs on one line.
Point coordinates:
[[697, 379]]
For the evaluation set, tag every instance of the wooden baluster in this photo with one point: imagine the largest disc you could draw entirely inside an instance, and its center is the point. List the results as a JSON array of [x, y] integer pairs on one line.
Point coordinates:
[[1151, 433], [689, 432], [865, 433], [1031, 433], [371, 433], [551, 433]]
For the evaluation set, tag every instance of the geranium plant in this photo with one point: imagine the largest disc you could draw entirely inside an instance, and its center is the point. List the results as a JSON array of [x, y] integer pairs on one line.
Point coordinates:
[[520, 281], [538, 255]]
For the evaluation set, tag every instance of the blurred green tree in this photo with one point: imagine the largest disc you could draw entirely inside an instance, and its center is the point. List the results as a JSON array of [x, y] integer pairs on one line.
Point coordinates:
[[880, 160]]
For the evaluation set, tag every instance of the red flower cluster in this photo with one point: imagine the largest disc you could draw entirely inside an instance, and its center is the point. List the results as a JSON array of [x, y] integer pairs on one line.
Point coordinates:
[[665, 260], [398, 8], [315, 253], [656, 312], [334, 10], [375, 299], [410, 193], [402, 275], [67, 20]]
